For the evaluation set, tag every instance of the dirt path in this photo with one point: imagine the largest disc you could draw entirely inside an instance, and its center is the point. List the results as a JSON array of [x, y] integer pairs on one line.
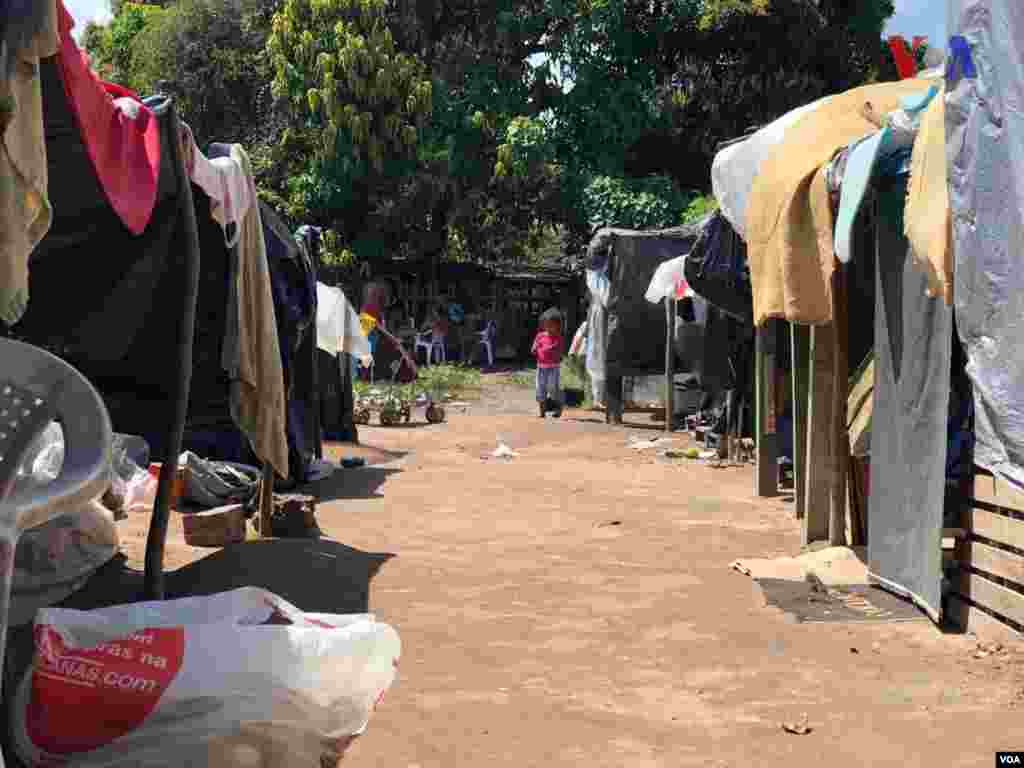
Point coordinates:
[[574, 606]]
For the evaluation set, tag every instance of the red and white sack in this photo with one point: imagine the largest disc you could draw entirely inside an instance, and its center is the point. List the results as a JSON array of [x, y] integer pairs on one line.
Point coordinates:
[[240, 678]]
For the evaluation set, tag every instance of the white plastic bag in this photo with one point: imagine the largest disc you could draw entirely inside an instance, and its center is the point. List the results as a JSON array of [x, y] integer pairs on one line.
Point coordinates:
[[44, 459], [232, 679], [53, 560]]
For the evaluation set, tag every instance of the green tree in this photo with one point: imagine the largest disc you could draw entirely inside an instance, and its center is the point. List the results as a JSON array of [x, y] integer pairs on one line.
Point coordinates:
[[356, 104], [209, 55]]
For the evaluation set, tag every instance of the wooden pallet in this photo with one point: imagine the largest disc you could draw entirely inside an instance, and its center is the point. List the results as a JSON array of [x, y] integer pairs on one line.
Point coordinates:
[[988, 587]]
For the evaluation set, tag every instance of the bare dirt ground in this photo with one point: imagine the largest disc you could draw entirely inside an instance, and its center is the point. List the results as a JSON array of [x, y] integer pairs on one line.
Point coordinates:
[[574, 606]]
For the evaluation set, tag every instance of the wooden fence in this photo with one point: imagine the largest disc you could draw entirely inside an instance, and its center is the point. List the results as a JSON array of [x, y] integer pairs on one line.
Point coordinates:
[[988, 582]]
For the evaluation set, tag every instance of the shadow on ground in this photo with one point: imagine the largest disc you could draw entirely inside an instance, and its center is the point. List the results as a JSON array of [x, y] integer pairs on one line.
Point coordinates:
[[359, 483], [318, 575]]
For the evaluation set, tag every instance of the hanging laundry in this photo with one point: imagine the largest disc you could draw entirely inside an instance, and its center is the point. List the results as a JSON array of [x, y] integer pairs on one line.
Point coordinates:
[[25, 213], [867, 158], [789, 221], [224, 182], [716, 269], [251, 352], [124, 151], [927, 215]]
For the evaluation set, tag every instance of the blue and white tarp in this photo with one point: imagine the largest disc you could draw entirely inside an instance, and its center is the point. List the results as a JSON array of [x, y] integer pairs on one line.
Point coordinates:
[[985, 152]]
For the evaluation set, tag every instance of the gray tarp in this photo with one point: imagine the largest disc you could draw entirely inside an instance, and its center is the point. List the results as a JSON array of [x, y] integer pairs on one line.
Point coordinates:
[[985, 141], [635, 340], [913, 344]]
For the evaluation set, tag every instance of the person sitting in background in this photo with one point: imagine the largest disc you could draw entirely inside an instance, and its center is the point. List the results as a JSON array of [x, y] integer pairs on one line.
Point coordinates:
[[439, 325]]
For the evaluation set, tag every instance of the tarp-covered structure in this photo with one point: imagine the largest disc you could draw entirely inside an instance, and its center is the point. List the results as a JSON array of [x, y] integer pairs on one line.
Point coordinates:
[[111, 286], [818, 253], [627, 332]]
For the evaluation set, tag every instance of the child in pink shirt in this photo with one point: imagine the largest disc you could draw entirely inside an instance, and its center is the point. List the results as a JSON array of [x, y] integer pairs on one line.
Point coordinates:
[[547, 348]]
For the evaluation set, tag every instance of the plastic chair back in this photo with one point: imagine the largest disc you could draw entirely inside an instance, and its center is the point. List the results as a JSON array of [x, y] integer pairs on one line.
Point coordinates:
[[35, 389]]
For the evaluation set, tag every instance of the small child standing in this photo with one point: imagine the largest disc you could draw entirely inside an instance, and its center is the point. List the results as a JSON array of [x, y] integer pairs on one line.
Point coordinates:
[[547, 348]]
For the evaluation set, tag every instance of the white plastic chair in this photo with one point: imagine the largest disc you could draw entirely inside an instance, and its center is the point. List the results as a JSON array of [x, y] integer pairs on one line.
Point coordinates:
[[35, 389], [486, 340]]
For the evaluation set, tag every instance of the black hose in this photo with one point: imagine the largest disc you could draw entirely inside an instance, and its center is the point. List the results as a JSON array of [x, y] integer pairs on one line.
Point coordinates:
[[153, 584]]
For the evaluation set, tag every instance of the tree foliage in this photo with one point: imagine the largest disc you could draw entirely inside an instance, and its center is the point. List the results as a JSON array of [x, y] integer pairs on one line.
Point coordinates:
[[496, 130]]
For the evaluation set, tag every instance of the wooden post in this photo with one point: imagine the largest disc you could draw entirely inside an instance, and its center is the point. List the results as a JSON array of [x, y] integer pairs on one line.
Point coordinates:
[[840, 394], [815, 526], [766, 480], [266, 500], [670, 361], [800, 340], [614, 406]]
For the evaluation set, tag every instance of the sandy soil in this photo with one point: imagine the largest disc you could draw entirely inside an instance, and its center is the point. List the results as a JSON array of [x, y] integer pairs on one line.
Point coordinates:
[[574, 606]]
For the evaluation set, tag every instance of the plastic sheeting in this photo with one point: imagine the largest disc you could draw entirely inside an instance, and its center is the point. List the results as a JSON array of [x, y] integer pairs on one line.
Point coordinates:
[[913, 347], [669, 280], [985, 140], [734, 168]]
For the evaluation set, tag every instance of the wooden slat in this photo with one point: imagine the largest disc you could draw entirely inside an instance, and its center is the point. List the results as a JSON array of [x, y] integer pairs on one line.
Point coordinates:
[[992, 596], [998, 562], [840, 457], [992, 490], [766, 477], [979, 623], [818, 482], [670, 361], [800, 339], [990, 525]]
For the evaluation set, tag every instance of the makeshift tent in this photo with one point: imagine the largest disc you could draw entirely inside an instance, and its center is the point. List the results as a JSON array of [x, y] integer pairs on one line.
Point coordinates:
[[813, 262], [627, 333], [112, 286], [634, 329]]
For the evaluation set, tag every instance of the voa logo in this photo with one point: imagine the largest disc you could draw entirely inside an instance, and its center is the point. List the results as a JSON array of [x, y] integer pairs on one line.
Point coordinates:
[[1009, 760]]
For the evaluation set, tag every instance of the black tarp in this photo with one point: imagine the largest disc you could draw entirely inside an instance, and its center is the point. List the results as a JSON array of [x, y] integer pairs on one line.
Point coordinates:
[[635, 328], [119, 307], [107, 301], [716, 268], [913, 343]]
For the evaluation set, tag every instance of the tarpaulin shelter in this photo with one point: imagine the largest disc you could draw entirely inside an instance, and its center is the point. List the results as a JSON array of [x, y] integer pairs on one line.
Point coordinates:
[[112, 286], [627, 332], [821, 256], [984, 262]]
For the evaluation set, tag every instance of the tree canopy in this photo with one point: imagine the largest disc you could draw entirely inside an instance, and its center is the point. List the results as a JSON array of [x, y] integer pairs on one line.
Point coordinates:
[[487, 129]]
